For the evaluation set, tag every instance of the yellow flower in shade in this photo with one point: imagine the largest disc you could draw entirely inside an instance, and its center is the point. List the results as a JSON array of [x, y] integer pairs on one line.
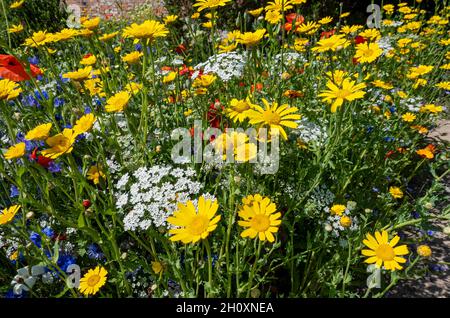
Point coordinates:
[[108, 36], [408, 117], [325, 20], [443, 85], [420, 70], [445, 66], [80, 75], [367, 52], [396, 192], [40, 132], [15, 151], [344, 15], [17, 4], [157, 267], [207, 24], [9, 89], [237, 110], [309, 27], [15, 28], [118, 102], [300, 44], [251, 38], [383, 85], [84, 124], [371, 34], [209, 4], [384, 253], [149, 29], [194, 223], [204, 80], [424, 251], [249, 199], [337, 76], [260, 219], [389, 8], [85, 32], [133, 57], [60, 144], [256, 13], [8, 214], [337, 209], [431, 108], [94, 86], [274, 116], [88, 60], [95, 173], [279, 5], [345, 221], [64, 34], [225, 47], [37, 39], [93, 280], [348, 29], [332, 43], [170, 19], [133, 87], [195, 15], [295, 2], [348, 90], [169, 77], [91, 24], [273, 17]]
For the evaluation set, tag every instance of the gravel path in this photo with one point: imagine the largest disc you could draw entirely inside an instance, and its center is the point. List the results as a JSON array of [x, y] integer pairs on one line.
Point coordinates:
[[437, 282]]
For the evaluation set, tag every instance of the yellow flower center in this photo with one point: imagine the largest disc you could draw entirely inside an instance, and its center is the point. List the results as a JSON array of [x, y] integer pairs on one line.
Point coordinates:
[[260, 222], [385, 252], [198, 225], [241, 107], [93, 280], [271, 117], [343, 93], [368, 52]]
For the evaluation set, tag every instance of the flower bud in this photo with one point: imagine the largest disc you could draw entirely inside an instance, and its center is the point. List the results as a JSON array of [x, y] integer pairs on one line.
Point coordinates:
[[30, 215]]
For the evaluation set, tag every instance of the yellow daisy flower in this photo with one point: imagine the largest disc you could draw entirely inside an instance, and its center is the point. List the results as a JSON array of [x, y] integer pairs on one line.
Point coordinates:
[[93, 280], [274, 116], [8, 214], [348, 90], [384, 253], [260, 219], [40, 132], [118, 102], [9, 89], [79, 75], [84, 124], [60, 144], [367, 52], [149, 29], [209, 4], [194, 223], [15, 151]]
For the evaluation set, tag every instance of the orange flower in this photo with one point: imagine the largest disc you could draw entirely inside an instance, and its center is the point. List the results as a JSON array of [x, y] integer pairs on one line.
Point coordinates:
[[427, 152]]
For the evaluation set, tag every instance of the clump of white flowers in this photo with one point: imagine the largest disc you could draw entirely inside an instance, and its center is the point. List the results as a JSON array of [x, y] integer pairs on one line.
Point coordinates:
[[148, 196], [286, 61], [337, 224], [310, 133], [225, 65]]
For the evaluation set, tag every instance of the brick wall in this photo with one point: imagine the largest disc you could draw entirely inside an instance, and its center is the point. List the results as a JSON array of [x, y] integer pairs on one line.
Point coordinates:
[[112, 8]]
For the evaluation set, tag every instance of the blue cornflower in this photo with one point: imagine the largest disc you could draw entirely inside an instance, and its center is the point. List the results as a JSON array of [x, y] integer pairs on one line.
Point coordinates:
[[138, 47], [14, 192], [33, 60], [369, 129], [87, 110], [36, 239], [48, 231], [389, 139], [94, 252], [54, 167], [415, 214], [65, 260], [58, 102]]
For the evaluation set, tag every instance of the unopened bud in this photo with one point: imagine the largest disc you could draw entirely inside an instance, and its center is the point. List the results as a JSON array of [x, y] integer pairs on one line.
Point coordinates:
[[30, 215]]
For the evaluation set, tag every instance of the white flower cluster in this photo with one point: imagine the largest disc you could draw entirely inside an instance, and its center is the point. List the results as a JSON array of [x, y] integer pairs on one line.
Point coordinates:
[[287, 61], [385, 43], [321, 197], [149, 195], [412, 103], [334, 224], [310, 132], [225, 65]]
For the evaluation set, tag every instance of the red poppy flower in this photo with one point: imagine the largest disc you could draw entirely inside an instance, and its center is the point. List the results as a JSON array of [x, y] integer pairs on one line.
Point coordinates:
[[180, 49], [214, 114], [186, 70], [327, 34], [359, 39], [293, 18], [12, 69], [259, 87], [40, 160]]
